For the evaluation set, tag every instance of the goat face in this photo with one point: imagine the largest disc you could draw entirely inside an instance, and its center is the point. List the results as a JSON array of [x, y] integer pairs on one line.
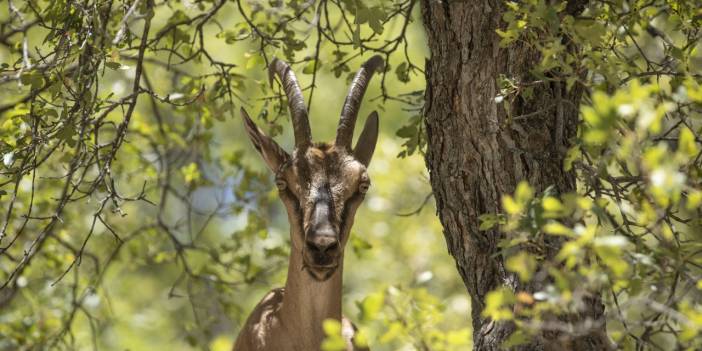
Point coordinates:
[[321, 184]]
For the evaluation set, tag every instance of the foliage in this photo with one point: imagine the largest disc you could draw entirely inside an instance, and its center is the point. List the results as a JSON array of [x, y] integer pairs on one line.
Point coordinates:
[[631, 233], [397, 316], [134, 218]]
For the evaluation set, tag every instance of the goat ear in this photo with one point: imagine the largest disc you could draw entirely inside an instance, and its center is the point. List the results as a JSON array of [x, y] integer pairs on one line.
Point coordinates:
[[365, 145], [271, 152]]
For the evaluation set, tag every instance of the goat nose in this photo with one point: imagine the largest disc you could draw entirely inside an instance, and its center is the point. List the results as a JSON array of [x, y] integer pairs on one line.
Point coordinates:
[[322, 243]]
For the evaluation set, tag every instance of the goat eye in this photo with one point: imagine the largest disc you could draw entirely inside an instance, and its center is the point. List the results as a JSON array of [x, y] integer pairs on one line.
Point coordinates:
[[281, 184], [363, 187]]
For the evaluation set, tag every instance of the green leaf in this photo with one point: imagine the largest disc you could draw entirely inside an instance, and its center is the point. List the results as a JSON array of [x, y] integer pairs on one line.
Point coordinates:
[[357, 37], [402, 72], [361, 15], [571, 156], [556, 228], [309, 67], [609, 249], [33, 79], [360, 339], [66, 134], [359, 245], [334, 341], [376, 16], [190, 173], [26, 78], [407, 131], [552, 204], [508, 36], [178, 16], [371, 306], [517, 338], [331, 326], [694, 199], [523, 263], [393, 332], [524, 192], [254, 61], [591, 31], [686, 143], [510, 206], [113, 65], [488, 221], [498, 304]]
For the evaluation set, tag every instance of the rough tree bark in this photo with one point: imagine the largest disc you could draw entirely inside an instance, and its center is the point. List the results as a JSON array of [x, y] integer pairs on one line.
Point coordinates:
[[475, 154]]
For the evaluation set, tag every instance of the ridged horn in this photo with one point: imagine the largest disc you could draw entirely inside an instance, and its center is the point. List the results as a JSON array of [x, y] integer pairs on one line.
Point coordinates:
[[296, 102], [347, 122]]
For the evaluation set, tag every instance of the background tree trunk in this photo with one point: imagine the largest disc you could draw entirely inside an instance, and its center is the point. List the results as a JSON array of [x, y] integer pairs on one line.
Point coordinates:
[[475, 154]]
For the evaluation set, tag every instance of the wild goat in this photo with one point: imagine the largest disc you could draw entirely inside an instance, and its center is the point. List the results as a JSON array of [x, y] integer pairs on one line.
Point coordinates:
[[321, 186]]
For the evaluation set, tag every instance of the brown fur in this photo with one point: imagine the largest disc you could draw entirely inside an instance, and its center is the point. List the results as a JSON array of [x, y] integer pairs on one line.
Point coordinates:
[[265, 320]]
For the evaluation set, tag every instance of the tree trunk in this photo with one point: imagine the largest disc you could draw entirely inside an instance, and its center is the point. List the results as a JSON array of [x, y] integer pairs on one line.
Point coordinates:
[[475, 154]]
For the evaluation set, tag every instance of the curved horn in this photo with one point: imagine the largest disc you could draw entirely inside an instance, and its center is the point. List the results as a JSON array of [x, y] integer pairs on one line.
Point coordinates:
[[296, 102], [347, 122]]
